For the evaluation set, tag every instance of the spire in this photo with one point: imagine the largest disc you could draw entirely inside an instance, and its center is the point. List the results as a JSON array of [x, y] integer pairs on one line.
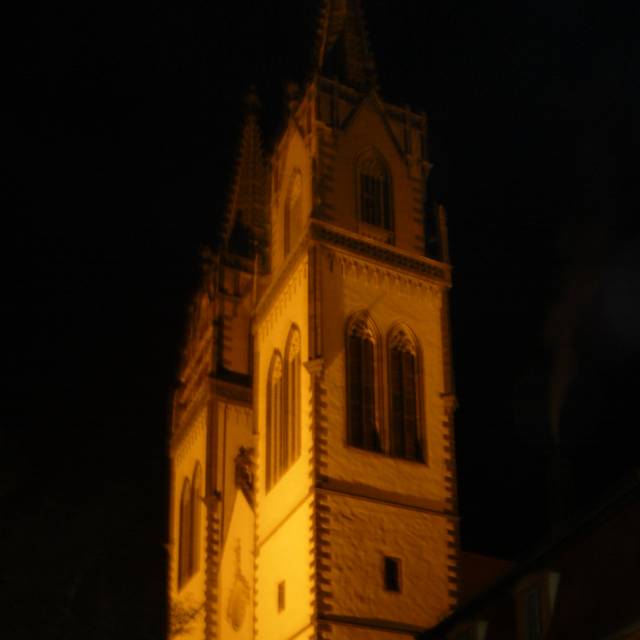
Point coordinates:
[[343, 49], [244, 226]]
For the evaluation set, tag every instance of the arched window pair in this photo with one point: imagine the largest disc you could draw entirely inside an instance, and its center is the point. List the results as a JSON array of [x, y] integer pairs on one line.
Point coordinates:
[[374, 191], [189, 542], [283, 435], [365, 381]]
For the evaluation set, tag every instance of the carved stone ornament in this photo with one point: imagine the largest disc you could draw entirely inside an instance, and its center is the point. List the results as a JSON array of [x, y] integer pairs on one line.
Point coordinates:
[[245, 473], [239, 595]]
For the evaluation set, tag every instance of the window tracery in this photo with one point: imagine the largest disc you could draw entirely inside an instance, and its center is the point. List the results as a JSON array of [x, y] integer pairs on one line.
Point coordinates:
[[274, 420], [374, 191], [189, 528], [400, 434], [283, 433], [404, 433], [195, 520], [283, 409], [362, 351], [292, 399]]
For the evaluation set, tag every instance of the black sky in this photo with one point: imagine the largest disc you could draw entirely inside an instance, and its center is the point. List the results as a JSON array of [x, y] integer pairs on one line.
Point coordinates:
[[122, 126]]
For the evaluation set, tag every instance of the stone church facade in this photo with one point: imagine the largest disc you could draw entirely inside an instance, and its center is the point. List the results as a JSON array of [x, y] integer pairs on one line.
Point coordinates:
[[312, 460]]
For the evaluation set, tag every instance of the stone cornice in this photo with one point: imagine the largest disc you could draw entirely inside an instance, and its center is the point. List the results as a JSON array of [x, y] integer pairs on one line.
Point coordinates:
[[232, 392], [360, 491], [383, 254], [372, 625], [373, 274]]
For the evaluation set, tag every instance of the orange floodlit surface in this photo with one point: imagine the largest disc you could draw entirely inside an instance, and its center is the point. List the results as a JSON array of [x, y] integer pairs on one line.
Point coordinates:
[[316, 385]]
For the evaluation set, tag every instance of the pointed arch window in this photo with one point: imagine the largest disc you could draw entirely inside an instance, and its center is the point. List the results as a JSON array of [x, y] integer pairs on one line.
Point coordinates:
[[362, 375], [275, 421], [195, 521], [283, 435], [189, 528], [292, 211], [184, 551], [404, 371], [374, 191], [292, 398]]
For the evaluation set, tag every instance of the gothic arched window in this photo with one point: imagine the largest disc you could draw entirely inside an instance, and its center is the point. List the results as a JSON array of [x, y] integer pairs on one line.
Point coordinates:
[[292, 398], [184, 549], [275, 421], [283, 410], [292, 211], [362, 376], [195, 520], [374, 191], [189, 528], [404, 375]]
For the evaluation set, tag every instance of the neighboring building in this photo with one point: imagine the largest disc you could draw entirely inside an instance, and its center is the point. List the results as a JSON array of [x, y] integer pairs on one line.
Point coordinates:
[[312, 460], [582, 584]]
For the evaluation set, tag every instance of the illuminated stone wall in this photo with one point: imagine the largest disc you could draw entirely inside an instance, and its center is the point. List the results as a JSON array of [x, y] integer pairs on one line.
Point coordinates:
[[397, 136], [354, 284], [361, 533], [189, 451], [293, 155], [284, 513], [237, 573], [304, 558]]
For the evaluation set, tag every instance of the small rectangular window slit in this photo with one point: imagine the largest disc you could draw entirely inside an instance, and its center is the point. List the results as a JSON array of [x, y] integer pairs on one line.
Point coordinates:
[[281, 596], [391, 574]]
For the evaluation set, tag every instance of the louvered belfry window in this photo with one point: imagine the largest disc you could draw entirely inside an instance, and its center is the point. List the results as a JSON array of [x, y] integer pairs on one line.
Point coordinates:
[[361, 374], [375, 202], [403, 380]]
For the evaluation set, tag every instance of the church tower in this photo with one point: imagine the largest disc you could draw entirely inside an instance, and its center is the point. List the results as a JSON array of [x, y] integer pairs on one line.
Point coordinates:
[[312, 454]]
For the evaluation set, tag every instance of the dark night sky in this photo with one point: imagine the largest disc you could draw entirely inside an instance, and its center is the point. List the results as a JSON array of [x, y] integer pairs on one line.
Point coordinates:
[[123, 123]]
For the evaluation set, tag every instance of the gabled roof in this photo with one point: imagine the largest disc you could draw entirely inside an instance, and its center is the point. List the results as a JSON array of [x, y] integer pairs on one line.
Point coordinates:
[[373, 101], [342, 49], [247, 199], [626, 493]]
